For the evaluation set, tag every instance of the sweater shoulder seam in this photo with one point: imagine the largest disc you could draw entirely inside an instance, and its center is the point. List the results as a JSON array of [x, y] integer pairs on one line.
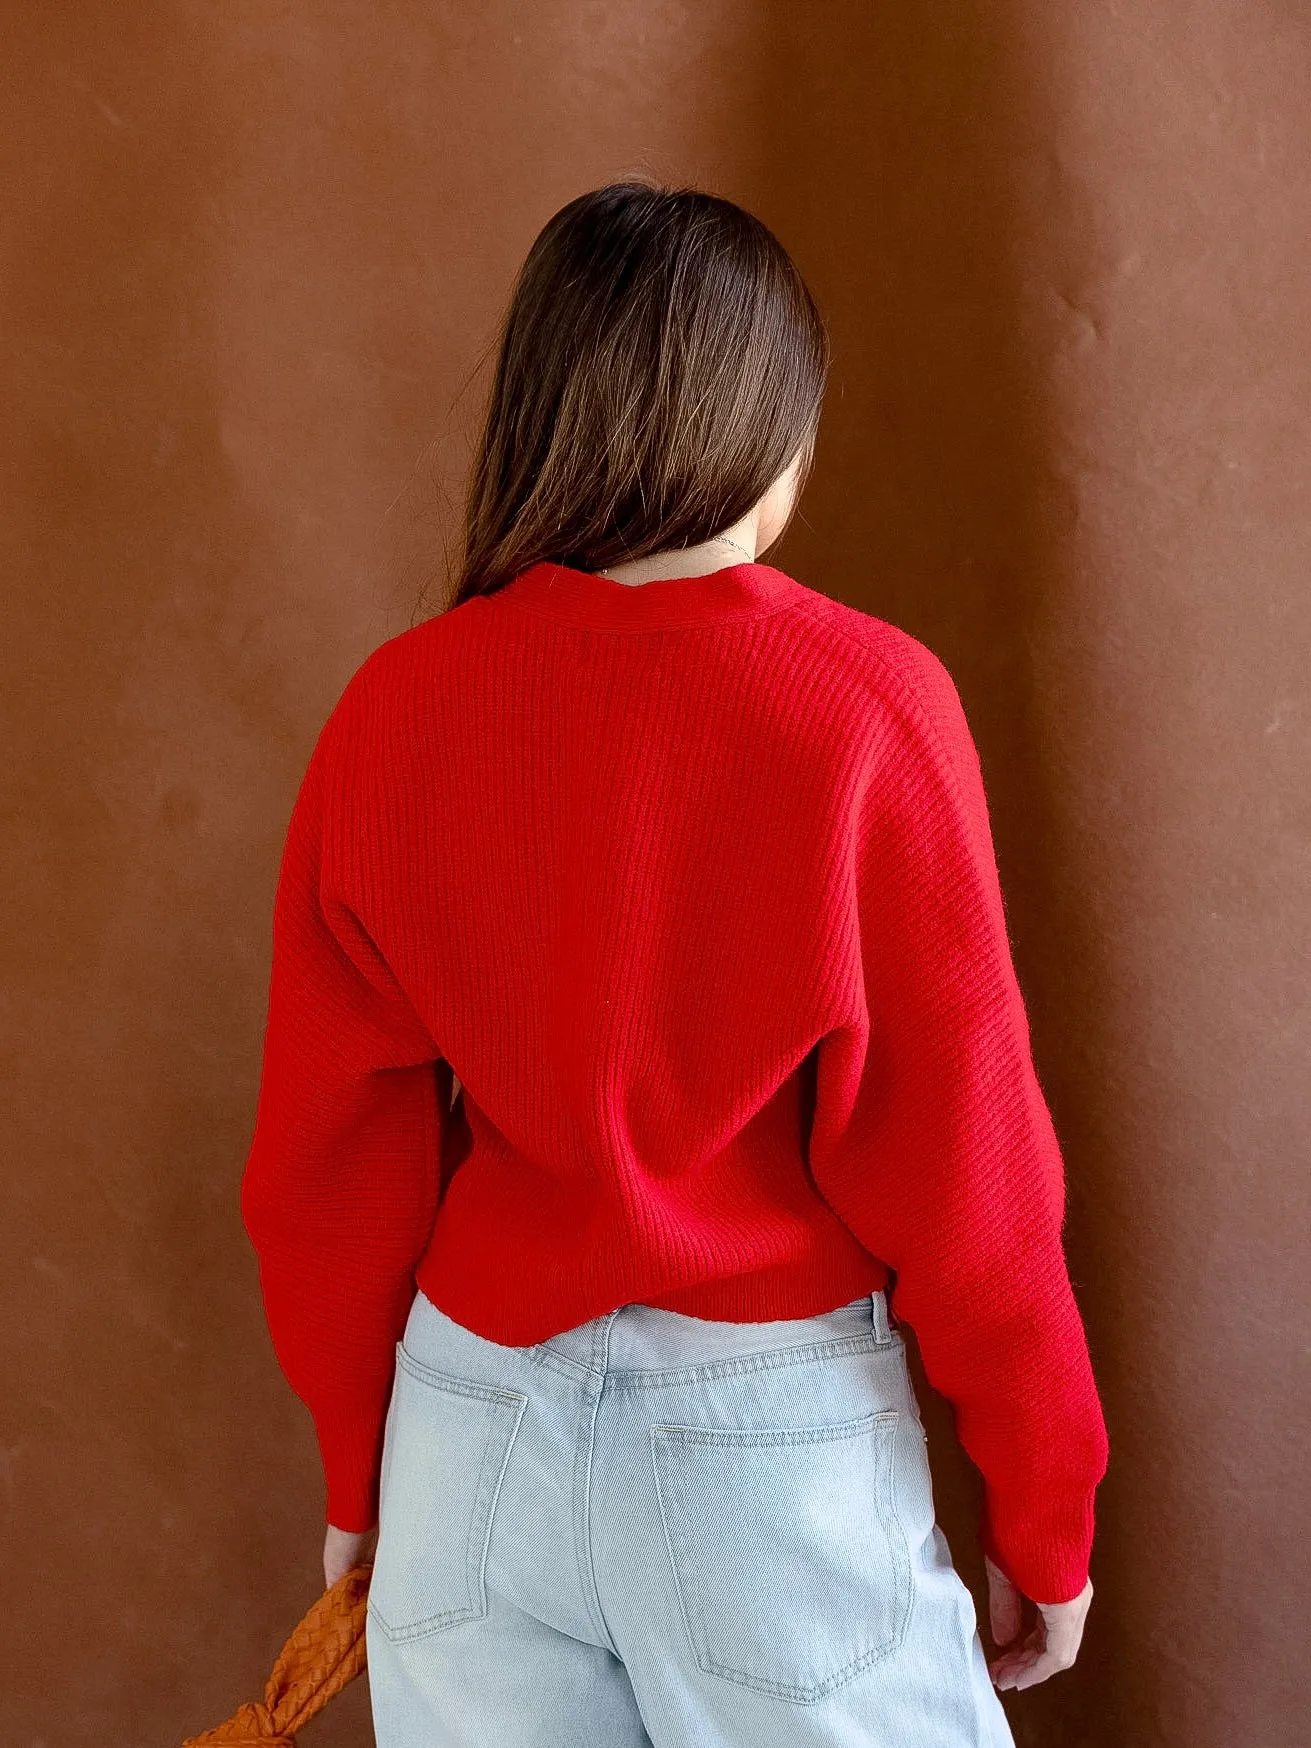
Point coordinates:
[[903, 694]]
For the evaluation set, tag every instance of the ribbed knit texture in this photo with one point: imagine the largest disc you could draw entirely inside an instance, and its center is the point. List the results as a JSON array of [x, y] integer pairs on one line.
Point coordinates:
[[691, 885]]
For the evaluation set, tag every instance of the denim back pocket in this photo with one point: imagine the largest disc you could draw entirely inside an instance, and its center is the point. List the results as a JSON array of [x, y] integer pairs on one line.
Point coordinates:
[[792, 1570], [445, 1450]]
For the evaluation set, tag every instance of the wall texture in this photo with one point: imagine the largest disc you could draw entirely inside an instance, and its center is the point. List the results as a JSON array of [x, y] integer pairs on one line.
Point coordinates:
[[254, 257]]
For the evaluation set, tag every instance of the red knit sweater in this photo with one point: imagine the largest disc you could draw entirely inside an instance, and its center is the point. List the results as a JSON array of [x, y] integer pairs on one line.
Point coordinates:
[[691, 885]]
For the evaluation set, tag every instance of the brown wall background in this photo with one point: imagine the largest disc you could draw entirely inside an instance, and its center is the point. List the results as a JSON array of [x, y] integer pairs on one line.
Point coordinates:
[[253, 257]]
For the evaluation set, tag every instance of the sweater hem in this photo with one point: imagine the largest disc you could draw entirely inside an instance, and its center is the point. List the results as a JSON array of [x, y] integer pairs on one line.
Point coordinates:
[[512, 1320]]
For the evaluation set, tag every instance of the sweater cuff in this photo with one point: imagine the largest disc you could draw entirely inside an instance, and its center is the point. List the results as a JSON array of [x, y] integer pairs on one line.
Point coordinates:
[[1042, 1544], [350, 1434]]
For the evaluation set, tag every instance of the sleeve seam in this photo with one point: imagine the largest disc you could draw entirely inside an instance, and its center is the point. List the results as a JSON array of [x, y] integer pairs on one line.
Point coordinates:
[[910, 702]]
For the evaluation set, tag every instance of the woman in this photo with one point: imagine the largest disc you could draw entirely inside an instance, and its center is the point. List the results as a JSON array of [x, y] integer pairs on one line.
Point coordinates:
[[685, 870]]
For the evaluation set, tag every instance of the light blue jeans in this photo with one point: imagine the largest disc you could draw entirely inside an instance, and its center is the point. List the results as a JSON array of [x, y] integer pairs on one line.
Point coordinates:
[[658, 1531]]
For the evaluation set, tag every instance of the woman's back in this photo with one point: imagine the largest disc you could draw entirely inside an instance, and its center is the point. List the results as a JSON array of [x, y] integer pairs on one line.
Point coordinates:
[[622, 858], [684, 871], [603, 837]]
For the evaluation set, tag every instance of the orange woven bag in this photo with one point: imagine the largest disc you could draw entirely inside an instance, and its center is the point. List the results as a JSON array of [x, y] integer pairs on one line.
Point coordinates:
[[324, 1654]]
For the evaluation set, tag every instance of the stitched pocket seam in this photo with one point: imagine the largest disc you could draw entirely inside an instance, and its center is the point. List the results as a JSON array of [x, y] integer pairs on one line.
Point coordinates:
[[500, 1437], [884, 1503]]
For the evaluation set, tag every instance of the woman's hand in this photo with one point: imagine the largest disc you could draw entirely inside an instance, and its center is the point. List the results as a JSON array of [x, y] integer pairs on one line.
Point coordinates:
[[344, 1549], [1052, 1644]]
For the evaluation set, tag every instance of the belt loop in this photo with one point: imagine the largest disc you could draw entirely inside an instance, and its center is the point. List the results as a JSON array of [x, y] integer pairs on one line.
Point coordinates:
[[879, 1318], [601, 1327]]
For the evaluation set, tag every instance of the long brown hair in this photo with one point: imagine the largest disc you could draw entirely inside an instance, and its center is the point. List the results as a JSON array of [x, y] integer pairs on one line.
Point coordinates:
[[661, 362]]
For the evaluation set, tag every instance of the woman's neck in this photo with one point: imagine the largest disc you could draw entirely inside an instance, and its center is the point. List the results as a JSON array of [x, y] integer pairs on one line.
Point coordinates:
[[736, 545]]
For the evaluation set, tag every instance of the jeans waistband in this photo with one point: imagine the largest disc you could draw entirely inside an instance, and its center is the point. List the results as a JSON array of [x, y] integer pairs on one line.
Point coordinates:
[[647, 1337]]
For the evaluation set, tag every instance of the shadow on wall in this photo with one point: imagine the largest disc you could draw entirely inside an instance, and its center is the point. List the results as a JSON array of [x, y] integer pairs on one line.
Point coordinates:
[[906, 164]]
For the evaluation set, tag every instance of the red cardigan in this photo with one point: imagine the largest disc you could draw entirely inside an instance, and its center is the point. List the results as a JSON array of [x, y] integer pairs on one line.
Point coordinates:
[[691, 885]]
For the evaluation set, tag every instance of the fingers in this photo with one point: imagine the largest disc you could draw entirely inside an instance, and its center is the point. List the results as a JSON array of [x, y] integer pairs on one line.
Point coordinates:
[[1050, 1647], [343, 1549], [1004, 1605], [1034, 1663], [1006, 1669]]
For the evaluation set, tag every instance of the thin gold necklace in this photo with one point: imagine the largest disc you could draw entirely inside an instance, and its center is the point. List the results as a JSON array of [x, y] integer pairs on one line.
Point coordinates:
[[716, 539], [750, 557]]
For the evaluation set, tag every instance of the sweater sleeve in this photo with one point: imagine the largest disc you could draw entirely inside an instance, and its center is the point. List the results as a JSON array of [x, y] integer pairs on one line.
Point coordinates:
[[339, 1190], [933, 1142]]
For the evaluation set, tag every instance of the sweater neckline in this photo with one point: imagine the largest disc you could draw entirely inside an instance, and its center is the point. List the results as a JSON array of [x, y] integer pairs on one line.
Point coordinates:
[[576, 597]]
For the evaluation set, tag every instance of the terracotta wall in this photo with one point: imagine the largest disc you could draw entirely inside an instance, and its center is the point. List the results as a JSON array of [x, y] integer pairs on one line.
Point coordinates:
[[253, 260]]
